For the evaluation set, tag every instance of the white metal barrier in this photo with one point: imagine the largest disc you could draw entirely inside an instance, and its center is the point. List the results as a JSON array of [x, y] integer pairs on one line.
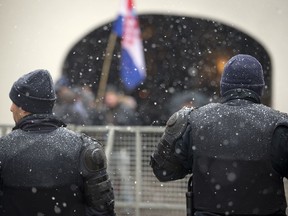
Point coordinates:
[[137, 191]]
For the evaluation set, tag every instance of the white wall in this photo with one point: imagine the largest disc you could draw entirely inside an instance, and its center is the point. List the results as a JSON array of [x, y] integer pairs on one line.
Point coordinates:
[[39, 33]]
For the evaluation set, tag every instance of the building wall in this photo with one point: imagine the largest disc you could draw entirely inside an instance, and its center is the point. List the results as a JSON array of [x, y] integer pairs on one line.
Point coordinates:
[[38, 34]]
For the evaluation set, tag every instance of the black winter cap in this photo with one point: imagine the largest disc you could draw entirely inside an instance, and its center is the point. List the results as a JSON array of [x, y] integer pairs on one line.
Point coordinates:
[[34, 92], [242, 71]]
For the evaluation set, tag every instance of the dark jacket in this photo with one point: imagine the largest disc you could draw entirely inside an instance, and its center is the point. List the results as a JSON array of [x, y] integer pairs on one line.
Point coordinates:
[[233, 150], [40, 169]]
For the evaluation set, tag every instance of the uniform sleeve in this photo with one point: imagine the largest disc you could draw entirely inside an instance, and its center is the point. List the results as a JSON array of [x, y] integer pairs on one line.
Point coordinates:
[[184, 151], [98, 190], [170, 160], [279, 150]]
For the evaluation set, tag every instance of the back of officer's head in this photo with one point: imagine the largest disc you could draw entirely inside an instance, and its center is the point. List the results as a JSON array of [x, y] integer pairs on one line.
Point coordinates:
[[242, 71], [34, 92]]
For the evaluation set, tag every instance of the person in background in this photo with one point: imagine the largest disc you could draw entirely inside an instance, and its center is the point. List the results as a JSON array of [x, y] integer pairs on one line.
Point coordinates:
[[188, 98], [237, 149], [117, 109], [70, 106], [46, 169]]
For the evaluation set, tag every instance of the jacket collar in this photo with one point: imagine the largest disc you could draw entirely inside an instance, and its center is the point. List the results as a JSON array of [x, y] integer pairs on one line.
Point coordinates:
[[244, 94], [39, 122]]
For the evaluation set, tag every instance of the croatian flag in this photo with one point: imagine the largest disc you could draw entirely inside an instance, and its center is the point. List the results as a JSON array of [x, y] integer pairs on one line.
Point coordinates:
[[132, 70]]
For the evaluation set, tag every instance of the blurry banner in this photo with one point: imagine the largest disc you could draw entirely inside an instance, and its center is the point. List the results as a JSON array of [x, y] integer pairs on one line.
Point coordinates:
[[126, 26]]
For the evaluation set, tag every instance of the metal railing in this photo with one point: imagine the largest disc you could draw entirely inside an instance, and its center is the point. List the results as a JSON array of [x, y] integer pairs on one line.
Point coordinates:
[[137, 191]]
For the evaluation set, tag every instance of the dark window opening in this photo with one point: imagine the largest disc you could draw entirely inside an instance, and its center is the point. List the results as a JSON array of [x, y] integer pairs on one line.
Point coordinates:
[[184, 59]]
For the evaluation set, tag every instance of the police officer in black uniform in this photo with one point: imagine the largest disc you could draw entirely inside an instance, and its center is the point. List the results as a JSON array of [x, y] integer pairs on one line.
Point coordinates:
[[237, 150], [45, 168]]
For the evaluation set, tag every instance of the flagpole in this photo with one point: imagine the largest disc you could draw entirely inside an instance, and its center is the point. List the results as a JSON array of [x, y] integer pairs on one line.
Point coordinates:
[[106, 68]]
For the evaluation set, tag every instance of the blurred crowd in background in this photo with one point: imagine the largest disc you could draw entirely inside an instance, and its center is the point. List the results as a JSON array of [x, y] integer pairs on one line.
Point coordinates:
[[77, 105]]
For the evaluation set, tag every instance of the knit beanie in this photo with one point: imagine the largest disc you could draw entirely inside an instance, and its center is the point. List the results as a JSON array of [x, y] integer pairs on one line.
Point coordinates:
[[242, 71], [34, 92]]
